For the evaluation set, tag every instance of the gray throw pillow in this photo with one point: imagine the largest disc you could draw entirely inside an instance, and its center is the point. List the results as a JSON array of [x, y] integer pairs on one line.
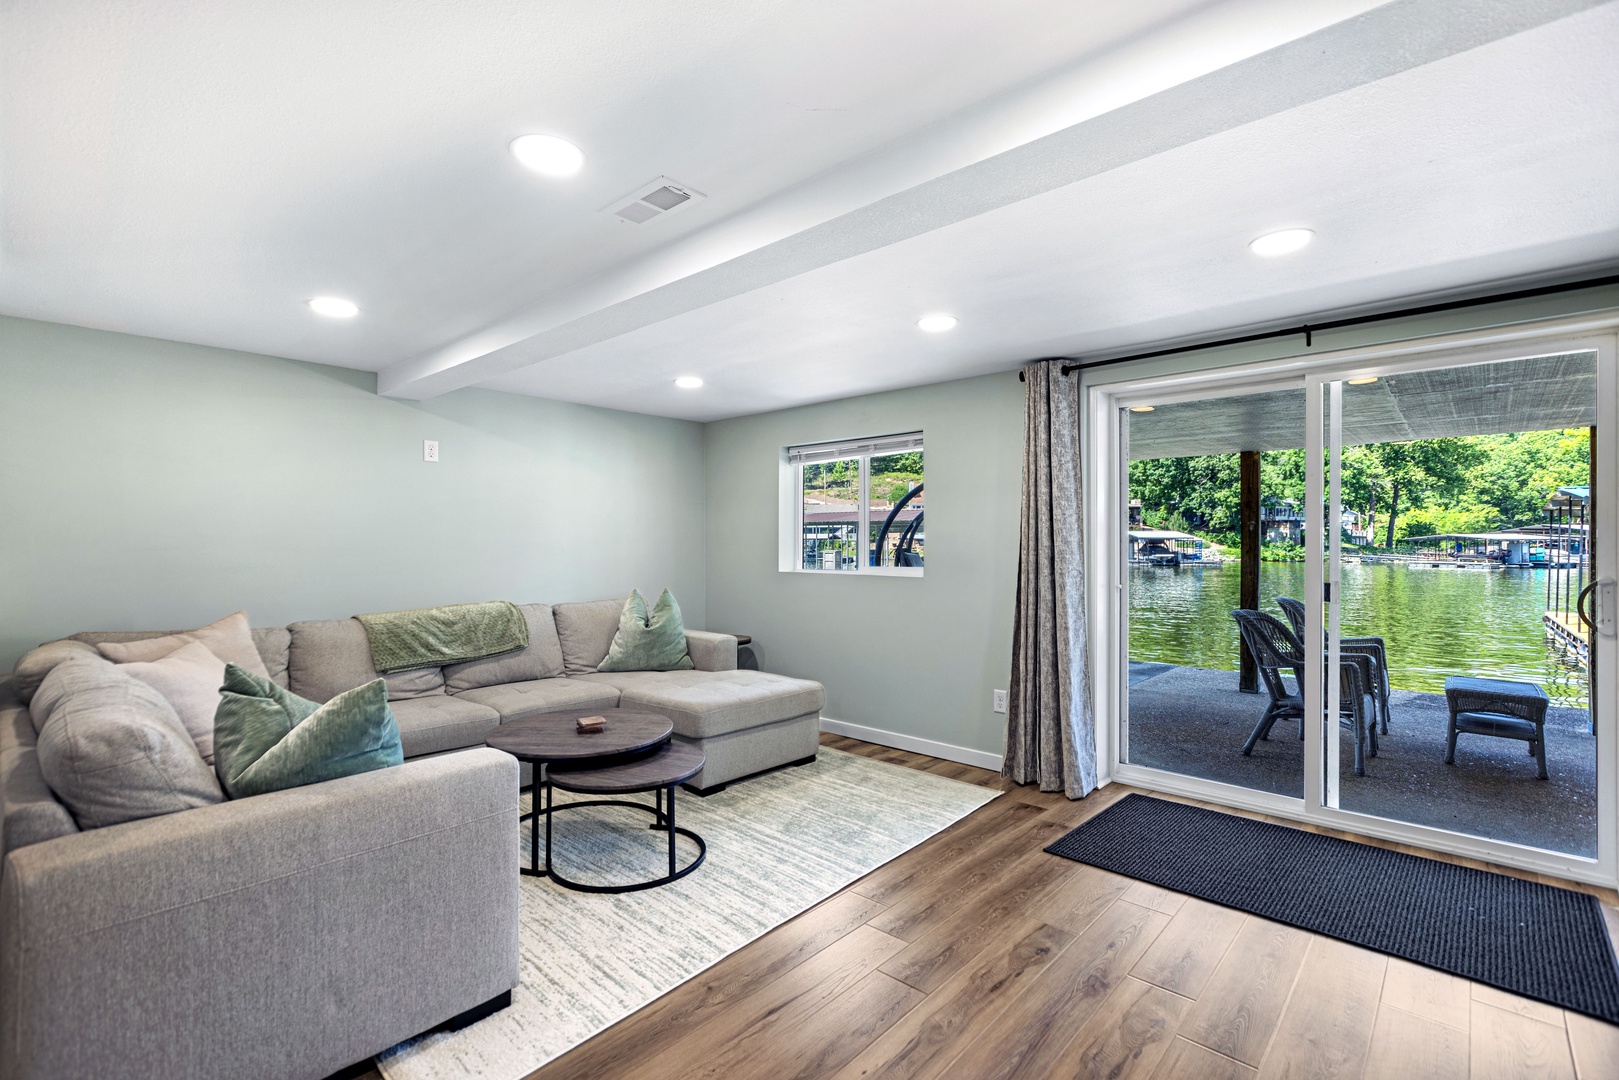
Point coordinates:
[[37, 663], [585, 631], [229, 638], [113, 750], [648, 641]]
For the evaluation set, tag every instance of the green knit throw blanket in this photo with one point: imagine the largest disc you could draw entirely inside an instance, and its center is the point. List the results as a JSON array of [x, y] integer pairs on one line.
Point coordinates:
[[430, 637]]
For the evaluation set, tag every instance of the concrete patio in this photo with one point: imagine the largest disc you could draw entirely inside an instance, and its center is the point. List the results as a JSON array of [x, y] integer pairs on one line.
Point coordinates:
[[1194, 721]]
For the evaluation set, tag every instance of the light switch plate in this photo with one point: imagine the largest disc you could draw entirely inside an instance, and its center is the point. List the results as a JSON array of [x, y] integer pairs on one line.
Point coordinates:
[[429, 449]]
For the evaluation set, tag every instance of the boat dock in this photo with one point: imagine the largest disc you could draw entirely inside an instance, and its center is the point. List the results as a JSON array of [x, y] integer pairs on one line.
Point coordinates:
[[1564, 629]]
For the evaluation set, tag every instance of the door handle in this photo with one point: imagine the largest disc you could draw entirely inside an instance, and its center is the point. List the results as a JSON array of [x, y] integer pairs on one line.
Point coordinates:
[[1605, 604]]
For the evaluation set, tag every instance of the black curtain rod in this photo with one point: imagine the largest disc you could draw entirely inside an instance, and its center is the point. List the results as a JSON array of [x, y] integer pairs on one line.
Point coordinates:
[[1310, 329]]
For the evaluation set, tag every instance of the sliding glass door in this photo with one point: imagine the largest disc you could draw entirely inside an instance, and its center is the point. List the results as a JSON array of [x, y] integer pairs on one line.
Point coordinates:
[[1201, 471], [1460, 537], [1374, 591]]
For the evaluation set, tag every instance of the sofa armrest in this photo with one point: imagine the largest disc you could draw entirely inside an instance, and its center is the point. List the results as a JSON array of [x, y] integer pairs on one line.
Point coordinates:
[[711, 652], [288, 934], [29, 812]]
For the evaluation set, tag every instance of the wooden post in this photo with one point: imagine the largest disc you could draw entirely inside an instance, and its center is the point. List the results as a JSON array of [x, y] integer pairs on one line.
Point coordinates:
[[1248, 530]]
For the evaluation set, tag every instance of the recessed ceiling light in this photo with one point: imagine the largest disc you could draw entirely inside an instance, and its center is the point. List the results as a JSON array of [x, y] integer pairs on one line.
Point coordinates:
[[937, 324], [334, 307], [548, 155], [1281, 243], [688, 382], [1142, 408], [1365, 380]]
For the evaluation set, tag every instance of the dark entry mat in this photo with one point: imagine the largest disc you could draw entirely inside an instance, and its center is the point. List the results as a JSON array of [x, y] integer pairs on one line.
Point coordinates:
[[1530, 939]]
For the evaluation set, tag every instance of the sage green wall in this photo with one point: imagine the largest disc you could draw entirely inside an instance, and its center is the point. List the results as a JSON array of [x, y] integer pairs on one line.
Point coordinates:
[[916, 656], [146, 483]]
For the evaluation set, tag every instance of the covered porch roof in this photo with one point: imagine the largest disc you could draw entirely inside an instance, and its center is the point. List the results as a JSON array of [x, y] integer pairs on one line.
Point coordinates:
[[1537, 393]]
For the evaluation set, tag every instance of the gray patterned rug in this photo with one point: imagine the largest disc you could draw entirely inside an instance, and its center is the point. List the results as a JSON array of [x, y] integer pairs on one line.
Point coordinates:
[[777, 845]]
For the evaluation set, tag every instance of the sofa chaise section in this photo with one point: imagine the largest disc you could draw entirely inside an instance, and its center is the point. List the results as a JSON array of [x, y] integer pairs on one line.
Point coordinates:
[[745, 722]]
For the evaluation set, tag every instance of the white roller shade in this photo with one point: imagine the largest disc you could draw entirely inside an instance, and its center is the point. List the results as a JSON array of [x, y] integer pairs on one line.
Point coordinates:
[[832, 451]]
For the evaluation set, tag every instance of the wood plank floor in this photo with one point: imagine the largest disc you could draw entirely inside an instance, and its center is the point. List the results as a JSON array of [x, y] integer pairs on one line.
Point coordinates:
[[975, 955]]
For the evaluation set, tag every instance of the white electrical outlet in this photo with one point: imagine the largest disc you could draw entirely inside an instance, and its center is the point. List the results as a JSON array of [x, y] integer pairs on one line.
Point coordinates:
[[429, 449], [998, 700]]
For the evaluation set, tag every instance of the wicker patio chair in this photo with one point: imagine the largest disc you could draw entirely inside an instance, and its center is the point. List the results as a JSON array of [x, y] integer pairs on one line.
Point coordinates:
[[1348, 646], [1275, 647]]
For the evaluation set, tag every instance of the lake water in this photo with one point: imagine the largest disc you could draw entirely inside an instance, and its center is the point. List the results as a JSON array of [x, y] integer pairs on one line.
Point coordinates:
[[1434, 622]]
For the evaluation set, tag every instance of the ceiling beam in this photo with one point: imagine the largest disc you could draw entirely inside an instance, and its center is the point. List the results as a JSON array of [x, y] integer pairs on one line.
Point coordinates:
[[816, 229]]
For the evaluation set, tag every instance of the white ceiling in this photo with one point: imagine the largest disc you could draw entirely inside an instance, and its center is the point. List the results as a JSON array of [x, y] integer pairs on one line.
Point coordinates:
[[196, 171]]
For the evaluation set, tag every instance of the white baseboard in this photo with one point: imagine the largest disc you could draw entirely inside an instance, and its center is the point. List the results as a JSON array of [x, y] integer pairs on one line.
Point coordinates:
[[981, 758]]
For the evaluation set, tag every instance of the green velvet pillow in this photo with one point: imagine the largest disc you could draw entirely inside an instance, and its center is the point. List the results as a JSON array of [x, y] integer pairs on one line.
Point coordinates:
[[655, 642], [266, 738]]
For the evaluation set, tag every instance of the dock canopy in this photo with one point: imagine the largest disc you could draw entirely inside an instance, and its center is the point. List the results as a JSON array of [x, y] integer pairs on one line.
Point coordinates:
[[1149, 535]]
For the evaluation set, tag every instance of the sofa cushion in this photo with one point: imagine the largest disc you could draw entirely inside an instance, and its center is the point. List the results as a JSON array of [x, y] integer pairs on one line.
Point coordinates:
[[230, 639], [648, 641], [705, 703], [328, 656], [29, 812], [37, 663], [428, 725], [113, 750], [586, 632], [271, 739], [272, 642], [513, 701], [189, 679], [542, 659]]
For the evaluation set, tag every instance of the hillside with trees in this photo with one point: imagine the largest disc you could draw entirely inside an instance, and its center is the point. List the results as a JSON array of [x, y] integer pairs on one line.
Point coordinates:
[[1476, 483]]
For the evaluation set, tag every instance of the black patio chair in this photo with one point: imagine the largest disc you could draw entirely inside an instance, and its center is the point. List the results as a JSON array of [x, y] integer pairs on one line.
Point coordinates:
[[1348, 646], [1275, 647]]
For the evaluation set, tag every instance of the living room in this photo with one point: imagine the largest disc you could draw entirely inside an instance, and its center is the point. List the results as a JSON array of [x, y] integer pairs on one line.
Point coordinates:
[[368, 320]]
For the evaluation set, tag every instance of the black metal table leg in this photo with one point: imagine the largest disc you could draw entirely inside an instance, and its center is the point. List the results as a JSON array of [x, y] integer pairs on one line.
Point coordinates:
[[671, 766], [550, 796]]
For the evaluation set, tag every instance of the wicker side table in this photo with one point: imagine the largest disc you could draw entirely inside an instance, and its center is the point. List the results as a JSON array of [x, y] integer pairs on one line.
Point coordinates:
[[1498, 707]]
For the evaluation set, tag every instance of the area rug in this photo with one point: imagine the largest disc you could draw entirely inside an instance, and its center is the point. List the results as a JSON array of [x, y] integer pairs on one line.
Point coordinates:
[[1520, 936], [777, 845]]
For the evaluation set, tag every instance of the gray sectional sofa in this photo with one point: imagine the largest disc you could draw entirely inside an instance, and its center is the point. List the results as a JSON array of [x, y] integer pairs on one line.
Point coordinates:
[[294, 933]]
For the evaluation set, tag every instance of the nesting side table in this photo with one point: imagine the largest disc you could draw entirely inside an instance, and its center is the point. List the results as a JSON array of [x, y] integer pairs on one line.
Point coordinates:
[[634, 753]]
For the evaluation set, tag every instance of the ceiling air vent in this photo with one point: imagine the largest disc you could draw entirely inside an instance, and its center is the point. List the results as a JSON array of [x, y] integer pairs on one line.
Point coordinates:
[[659, 198]]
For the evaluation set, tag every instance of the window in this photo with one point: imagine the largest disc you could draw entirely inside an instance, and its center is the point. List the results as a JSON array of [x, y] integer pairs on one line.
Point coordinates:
[[859, 504]]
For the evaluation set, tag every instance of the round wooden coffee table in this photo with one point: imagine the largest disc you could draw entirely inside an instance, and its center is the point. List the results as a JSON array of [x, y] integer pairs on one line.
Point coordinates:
[[634, 753]]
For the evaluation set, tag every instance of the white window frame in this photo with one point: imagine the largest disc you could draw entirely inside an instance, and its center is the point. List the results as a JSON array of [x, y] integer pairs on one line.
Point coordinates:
[[792, 503]]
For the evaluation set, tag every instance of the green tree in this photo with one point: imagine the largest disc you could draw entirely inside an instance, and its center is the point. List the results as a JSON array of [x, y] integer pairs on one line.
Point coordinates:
[[1416, 472], [1521, 470], [1201, 490], [1453, 485]]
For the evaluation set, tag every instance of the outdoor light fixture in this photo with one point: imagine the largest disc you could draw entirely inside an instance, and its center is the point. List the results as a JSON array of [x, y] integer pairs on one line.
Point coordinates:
[[334, 307], [1142, 408], [1281, 243], [937, 324], [548, 155], [688, 382], [1364, 380]]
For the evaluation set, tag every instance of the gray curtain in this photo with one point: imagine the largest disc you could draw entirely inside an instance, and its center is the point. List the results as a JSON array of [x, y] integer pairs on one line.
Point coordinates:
[[1050, 723]]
